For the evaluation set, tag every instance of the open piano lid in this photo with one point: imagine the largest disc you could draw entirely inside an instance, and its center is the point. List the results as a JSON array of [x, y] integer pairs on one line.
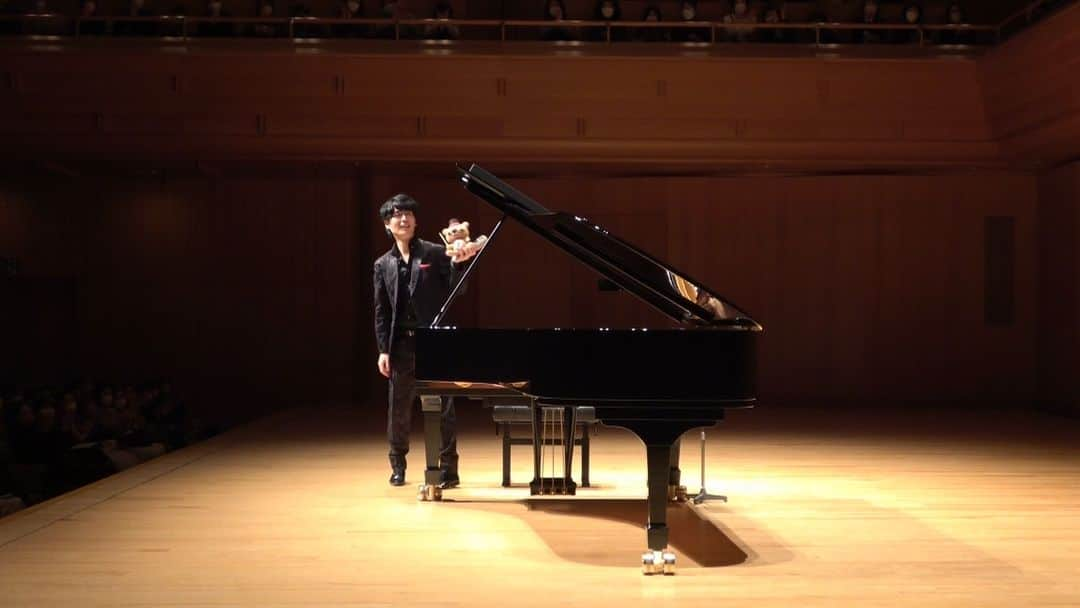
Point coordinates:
[[670, 291]]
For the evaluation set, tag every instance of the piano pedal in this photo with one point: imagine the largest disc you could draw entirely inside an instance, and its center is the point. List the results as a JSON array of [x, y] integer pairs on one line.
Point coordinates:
[[428, 492], [676, 494], [658, 562], [552, 486]]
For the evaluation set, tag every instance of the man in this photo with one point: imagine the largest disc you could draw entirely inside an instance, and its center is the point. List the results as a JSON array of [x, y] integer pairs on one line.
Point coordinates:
[[412, 280]]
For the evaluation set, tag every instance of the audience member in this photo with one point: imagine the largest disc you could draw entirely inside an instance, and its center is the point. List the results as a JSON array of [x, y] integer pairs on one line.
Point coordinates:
[[609, 11], [268, 29], [137, 9], [955, 16], [442, 31], [912, 17], [215, 9], [688, 12], [555, 10], [739, 20], [350, 9], [652, 34], [774, 15], [870, 16], [89, 25]]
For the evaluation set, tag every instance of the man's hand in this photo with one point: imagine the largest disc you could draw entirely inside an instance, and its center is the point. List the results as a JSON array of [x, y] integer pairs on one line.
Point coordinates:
[[460, 255], [384, 364]]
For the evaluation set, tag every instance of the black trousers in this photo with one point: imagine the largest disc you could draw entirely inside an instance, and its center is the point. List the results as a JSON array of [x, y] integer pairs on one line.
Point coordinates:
[[403, 402]]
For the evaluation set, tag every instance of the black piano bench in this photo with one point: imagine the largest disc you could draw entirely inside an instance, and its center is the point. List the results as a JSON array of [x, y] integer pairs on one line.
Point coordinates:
[[507, 416]]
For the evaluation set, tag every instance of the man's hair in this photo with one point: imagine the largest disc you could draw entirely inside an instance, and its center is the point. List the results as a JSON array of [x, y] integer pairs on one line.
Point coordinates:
[[400, 201]]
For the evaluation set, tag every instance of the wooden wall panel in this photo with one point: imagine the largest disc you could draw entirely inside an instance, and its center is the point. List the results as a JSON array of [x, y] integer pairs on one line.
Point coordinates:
[[1059, 282], [240, 288], [229, 101], [1031, 91], [869, 287]]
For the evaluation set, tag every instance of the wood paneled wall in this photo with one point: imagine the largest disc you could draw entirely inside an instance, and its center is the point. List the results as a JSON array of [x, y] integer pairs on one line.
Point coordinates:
[[870, 288], [241, 288], [1032, 93], [1059, 286], [404, 102]]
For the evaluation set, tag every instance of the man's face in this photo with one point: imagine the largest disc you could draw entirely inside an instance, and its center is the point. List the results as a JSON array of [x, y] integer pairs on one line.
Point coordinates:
[[402, 225]]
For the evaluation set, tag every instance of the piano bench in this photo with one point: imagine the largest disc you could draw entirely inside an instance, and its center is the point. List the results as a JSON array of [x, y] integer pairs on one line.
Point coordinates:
[[506, 416]]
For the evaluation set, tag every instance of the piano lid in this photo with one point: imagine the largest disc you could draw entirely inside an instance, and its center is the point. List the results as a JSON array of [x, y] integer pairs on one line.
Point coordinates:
[[670, 291]]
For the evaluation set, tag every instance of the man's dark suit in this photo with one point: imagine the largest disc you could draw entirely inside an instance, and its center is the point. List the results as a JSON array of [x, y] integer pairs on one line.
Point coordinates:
[[431, 278]]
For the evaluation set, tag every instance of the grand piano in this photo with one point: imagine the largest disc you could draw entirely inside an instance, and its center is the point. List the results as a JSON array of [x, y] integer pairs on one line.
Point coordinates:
[[657, 383]]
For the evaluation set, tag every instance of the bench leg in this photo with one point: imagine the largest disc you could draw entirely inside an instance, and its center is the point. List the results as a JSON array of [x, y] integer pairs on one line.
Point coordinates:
[[584, 455], [505, 454]]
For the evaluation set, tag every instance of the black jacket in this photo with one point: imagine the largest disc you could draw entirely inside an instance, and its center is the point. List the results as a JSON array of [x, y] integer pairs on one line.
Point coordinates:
[[431, 278]]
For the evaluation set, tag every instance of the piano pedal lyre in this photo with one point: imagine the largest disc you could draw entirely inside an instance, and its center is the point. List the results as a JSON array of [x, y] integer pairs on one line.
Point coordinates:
[[676, 494], [553, 486], [658, 562]]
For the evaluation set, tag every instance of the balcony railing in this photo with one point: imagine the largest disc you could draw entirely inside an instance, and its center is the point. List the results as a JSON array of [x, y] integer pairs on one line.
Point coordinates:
[[508, 30]]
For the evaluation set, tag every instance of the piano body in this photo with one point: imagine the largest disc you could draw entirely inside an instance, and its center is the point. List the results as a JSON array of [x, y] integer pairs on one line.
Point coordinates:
[[657, 383]]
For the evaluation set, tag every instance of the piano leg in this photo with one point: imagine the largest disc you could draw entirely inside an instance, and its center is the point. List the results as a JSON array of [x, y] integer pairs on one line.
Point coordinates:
[[431, 406], [658, 560]]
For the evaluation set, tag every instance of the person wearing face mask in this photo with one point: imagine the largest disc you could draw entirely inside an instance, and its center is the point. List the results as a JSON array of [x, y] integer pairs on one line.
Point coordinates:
[[300, 11], [688, 12], [739, 19], [136, 9], [216, 9], [955, 16], [652, 34], [42, 26], [442, 31], [392, 10], [555, 10], [778, 35], [609, 11], [412, 280], [89, 25], [350, 9], [870, 16], [912, 15], [266, 30]]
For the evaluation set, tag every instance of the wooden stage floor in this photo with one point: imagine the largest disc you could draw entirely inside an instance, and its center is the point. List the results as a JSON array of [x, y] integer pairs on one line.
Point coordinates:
[[858, 507]]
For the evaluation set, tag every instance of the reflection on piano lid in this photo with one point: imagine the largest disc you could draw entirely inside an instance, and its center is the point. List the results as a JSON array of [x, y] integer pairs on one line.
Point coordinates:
[[670, 291]]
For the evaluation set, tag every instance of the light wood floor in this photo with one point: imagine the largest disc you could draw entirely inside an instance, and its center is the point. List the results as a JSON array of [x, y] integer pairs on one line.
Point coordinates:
[[865, 507]]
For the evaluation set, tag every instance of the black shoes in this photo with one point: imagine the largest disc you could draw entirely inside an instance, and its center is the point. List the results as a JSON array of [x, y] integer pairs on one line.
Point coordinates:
[[449, 480], [397, 478]]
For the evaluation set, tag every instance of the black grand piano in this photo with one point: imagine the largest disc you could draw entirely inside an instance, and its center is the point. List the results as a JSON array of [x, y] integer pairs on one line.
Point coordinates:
[[657, 383]]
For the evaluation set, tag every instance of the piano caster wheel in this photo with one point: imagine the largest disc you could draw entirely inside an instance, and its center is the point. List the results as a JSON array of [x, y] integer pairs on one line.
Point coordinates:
[[427, 492], [669, 563], [658, 562], [676, 494]]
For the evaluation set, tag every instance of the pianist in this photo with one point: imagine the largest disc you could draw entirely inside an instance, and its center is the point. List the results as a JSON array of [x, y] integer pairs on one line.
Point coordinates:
[[412, 280]]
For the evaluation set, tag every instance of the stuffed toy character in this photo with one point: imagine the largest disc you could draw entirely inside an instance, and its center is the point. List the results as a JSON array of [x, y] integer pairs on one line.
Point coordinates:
[[457, 240]]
